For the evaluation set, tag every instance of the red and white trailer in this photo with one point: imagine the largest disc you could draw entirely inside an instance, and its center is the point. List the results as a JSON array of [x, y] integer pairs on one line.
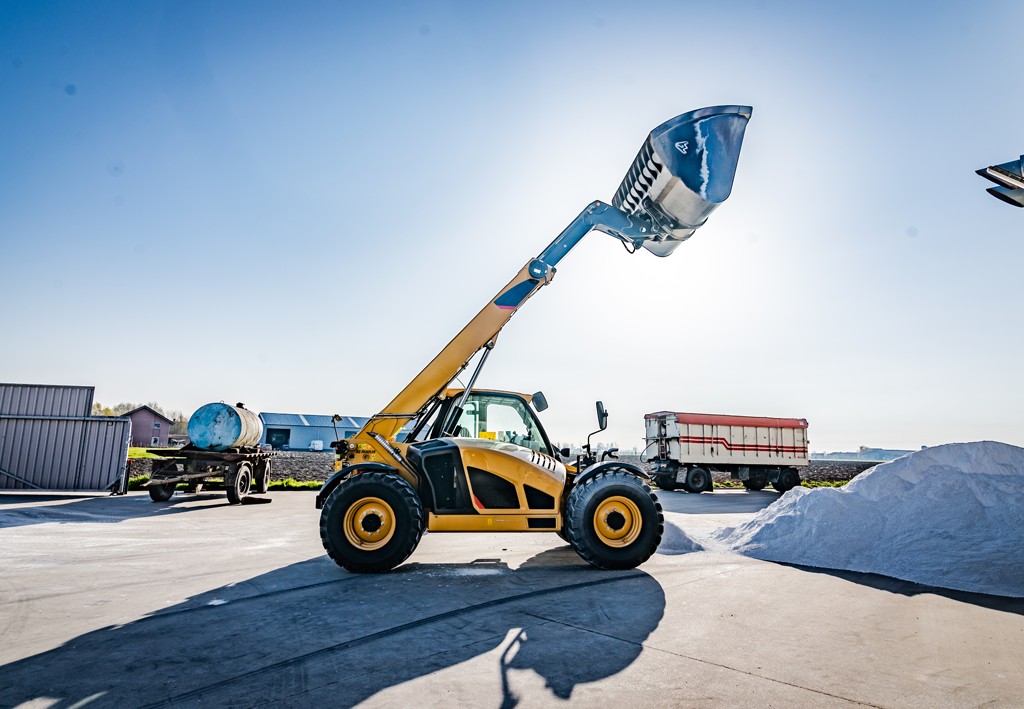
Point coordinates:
[[684, 449]]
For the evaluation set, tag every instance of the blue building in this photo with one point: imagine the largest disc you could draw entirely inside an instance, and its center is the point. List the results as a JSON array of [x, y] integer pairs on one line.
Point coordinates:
[[297, 431]]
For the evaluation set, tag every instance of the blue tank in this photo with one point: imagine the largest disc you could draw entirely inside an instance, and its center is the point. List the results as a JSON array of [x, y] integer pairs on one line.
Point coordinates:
[[218, 427]]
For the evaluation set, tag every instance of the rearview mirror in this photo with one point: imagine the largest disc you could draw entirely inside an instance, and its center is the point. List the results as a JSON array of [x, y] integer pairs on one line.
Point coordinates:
[[539, 402], [602, 416]]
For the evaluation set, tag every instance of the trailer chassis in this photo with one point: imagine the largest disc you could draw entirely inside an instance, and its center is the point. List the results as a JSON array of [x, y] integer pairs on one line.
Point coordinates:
[[244, 471]]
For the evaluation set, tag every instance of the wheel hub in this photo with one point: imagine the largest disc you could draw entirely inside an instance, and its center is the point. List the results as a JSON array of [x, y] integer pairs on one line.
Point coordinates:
[[369, 523], [617, 521]]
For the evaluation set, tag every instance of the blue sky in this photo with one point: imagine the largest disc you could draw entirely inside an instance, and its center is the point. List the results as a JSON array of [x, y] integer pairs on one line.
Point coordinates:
[[297, 205]]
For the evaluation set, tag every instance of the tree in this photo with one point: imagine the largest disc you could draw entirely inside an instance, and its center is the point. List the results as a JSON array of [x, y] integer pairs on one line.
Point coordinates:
[[179, 422]]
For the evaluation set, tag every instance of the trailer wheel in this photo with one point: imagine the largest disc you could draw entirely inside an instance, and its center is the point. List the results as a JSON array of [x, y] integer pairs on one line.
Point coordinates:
[[371, 522], [615, 521], [788, 479], [666, 482], [754, 485], [162, 493], [238, 485], [698, 480], [263, 476]]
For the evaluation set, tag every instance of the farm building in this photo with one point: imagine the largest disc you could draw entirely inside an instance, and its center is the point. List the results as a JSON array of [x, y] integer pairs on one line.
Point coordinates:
[[298, 431], [149, 428]]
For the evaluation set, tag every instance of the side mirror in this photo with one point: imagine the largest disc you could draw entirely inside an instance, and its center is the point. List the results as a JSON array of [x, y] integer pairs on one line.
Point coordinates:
[[602, 416], [564, 452], [539, 402]]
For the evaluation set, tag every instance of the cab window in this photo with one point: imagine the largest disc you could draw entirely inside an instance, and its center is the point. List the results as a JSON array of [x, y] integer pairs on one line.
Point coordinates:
[[500, 418]]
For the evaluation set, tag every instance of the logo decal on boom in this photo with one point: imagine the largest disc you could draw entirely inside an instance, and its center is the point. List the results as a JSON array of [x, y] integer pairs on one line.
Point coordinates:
[[682, 146]]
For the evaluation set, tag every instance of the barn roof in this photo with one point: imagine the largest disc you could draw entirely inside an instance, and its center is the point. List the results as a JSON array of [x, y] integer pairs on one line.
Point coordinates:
[[272, 419], [149, 409]]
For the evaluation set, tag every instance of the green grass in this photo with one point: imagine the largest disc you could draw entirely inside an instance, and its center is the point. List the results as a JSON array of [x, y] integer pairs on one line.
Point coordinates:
[[733, 484], [218, 484], [141, 453]]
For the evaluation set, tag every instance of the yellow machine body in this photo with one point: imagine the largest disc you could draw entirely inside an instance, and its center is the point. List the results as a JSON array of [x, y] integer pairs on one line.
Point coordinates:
[[521, 466]]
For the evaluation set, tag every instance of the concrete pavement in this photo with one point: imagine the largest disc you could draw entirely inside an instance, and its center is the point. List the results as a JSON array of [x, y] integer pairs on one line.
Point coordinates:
[[120, 601]]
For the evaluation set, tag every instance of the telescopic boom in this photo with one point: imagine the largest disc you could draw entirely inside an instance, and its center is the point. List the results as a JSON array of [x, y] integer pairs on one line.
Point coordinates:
[[683, 172]]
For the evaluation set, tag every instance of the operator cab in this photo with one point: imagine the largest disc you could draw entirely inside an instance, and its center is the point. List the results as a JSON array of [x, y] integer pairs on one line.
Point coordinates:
[[500, 416]]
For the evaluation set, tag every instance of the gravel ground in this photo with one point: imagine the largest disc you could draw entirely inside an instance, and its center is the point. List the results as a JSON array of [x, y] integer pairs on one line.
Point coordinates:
[[303, 466], [299, 465], [818, 470]]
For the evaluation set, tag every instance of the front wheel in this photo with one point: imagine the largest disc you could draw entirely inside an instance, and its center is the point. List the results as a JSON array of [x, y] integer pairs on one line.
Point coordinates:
[[666, 482], [162, 493], [615, 521], [371, 522], [754, 485]]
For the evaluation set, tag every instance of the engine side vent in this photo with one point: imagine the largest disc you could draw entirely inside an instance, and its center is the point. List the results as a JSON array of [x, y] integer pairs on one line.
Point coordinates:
[[441, 469], [494, 493], [537, 500]]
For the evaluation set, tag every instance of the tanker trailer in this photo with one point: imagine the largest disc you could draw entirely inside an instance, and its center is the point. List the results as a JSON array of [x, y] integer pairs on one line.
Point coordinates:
[[223, 443]]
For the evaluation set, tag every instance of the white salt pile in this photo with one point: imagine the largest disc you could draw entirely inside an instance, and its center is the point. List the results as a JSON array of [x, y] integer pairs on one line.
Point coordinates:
[[950, 516]]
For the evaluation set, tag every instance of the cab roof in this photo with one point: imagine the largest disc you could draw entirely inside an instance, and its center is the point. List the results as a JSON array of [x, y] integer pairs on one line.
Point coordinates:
[[449, 393]]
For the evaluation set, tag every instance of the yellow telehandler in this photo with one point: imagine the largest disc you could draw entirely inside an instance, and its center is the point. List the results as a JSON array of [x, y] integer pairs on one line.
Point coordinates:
[[479, 461]]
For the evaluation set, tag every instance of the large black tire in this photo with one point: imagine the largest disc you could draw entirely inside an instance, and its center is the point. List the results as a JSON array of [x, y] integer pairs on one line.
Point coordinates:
[[666, 482], [262, 479], [238, 484], [603, 515], [698, 480], [788, 479], [359, 509], [754, 485], [162, 493]]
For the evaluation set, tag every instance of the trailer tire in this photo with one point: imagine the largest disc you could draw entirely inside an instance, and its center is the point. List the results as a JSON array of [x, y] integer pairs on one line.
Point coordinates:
[[666, 482], [788, 479], [162, 493], [263, 476], [755, 485], [360, 508], [238, 484], [615, 520], [698, 480]]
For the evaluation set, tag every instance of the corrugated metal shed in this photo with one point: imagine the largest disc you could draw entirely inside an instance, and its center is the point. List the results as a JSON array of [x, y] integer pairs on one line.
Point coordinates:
[[45, 400], [49, 441]]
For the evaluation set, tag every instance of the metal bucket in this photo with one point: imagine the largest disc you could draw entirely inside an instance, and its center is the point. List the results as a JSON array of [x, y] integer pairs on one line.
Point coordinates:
[[218, 427], [684, 170]]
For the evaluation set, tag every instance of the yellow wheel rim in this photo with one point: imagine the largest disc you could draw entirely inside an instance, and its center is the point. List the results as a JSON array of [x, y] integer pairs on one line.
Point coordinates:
[[369, 523], [617, 521]]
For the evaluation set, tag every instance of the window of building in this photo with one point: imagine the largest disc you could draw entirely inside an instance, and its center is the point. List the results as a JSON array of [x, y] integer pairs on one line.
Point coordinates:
[[156, 425]]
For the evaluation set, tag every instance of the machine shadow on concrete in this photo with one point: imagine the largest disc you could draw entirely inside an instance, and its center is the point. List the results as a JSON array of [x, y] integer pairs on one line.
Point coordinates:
[[341, 641], [95, 509]]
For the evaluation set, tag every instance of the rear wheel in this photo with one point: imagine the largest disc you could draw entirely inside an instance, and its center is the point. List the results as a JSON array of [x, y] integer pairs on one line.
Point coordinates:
[[371, 522], [238, 484], [788, 479], [615, 521], [698, 480], [162, 493], [754, 484], [666, 482], [263, 476]]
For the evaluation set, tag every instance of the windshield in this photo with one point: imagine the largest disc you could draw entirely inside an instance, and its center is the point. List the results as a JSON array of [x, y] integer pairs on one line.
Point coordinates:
[[500, 418]]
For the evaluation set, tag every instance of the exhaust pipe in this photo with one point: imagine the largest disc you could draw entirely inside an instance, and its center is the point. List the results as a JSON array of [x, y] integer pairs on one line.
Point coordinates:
[[683, 172]]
